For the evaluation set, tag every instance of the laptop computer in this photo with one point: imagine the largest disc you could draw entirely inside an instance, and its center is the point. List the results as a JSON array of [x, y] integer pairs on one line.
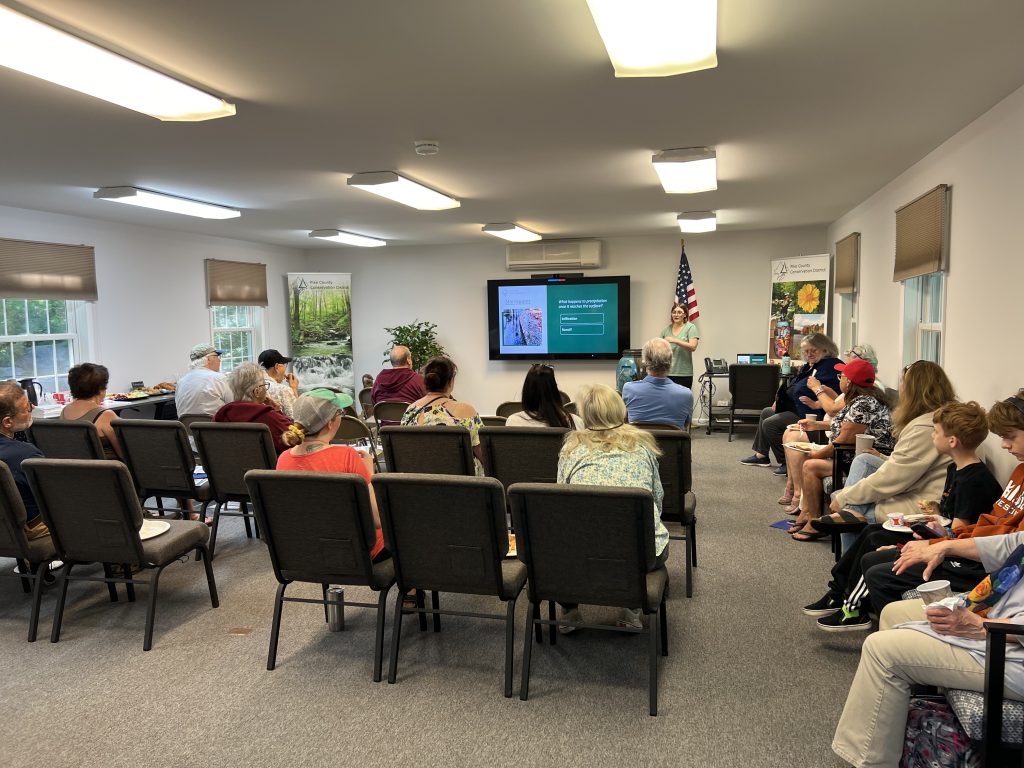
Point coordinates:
[[752, 359]]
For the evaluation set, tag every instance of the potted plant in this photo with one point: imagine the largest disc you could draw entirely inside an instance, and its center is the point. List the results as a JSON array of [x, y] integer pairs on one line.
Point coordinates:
[[421, 339]]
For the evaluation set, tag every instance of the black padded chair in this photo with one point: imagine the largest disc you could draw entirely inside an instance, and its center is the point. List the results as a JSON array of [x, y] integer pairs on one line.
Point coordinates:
[[159, 457], [594, 545], [509, 407], [679, 504], [493, 421], [522, 454], [59, 439], [94, 516], [327, 542], [32, 555], [365, 401], [448, 534], [227, 451], [653, 426], [751, 388], [435, 450], [388, 413]]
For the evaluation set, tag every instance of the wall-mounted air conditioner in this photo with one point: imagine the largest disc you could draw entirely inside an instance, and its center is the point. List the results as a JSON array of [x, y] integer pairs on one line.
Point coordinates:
[[548, 255]]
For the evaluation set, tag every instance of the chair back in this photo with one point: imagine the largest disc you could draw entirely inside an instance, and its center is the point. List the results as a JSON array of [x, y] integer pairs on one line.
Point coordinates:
[[388, 413], [326, 537], [571, 408], [509, 407], [493, 421], [753, 387], [654, 426], [158, 455], [59, 439], [90, 507], [585, 543], [229, 450], [191, 418], [522, 454], [12, 517], [436, 450], [352, 430], [365, 401], [676, 472], [446, 534]]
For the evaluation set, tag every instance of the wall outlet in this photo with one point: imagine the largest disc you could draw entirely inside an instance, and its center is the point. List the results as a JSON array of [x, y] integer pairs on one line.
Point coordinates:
[[722, 404]]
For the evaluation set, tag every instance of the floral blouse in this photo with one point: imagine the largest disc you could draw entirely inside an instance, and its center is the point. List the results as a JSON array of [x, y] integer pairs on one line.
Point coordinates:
[[435, 414], [874, 414]]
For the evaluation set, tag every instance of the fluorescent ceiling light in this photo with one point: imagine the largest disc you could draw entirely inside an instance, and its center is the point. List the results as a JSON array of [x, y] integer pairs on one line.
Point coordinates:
[[348, 238], [159, 201], [512, 232], [687, 170], [402, 190], [656, 38], [697, 221], [42, 51]]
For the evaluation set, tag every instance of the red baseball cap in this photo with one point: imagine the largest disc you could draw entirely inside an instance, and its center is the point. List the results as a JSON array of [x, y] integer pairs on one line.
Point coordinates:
[[860, 372]]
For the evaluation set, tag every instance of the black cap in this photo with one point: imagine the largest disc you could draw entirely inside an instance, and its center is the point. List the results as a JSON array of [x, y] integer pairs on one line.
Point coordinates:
[[270, 357]]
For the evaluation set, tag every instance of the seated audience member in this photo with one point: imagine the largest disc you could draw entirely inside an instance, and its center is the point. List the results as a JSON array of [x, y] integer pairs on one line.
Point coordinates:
[[399, 383], [608, 451], [203, 390], [656, 398], [864, 413], [542, 402], [438, 407], [251, 405], [819, 352], [317, 418], [970, 490], [16, 416], [889, 573], [88, 385], [684, 338], [283, 387], [367, 380], [946, 650]]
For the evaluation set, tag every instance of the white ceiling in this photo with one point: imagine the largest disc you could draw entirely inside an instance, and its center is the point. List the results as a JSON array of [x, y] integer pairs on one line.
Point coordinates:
[[815, 104]]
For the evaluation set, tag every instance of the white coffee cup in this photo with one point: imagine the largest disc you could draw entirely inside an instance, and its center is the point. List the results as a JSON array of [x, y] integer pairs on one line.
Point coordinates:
[[933, 591], [811, 417], [864, 442]]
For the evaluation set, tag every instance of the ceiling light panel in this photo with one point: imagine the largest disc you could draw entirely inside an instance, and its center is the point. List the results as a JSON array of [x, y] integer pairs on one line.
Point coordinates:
[[396, 187], [685, 171], [42, 51], [347, 238], [145, 198], [512, 232], [697, 221], [657, 38]]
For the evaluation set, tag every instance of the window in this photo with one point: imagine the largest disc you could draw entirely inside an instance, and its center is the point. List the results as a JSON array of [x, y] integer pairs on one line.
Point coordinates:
[[848, 319], [236, 331], [923, 299], [39, 339]]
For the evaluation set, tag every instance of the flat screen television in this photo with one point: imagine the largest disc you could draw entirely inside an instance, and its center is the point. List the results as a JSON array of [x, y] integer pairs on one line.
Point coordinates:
[[556, 318]]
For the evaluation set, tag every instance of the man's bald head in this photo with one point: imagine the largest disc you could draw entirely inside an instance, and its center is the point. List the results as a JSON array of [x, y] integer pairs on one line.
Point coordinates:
[[401, 357]]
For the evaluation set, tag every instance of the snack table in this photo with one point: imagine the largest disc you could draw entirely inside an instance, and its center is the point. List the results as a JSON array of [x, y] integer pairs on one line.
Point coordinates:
[[152, 407]]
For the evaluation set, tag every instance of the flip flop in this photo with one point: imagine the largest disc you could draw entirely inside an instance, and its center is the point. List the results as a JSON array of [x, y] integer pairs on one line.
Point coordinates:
[[844, 519], [808, 536], [796, 526]]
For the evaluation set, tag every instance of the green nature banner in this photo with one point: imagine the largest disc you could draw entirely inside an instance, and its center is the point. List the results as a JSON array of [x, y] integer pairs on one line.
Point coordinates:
[[320, 329]]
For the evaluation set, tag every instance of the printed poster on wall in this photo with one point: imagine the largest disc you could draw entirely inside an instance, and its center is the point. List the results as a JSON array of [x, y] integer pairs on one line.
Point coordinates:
[[800, 304], [320, 330]]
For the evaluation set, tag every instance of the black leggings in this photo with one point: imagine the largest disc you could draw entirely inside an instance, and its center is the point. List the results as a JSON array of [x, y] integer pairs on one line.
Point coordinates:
[[686, 381]]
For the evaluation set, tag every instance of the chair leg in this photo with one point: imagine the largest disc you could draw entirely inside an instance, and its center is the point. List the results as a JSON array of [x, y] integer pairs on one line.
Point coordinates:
[[245, 519], [435, 603], [538, 629], [552, 629], [663, 624], [275, 627], [510, 634], [327, 617], [732, 423], [111, 586], [37, 599], [652, 653], [213, 528], [202, 553], [126, 571], [24, 568], [378, 641], [58, 614], [691, 540], [531, 619], [255, 522], [420, 600], [147, 643], [396, 636], [689, 563]]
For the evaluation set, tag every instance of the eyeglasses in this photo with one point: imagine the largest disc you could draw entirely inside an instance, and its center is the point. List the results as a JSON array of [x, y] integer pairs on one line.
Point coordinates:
[[854, 353]]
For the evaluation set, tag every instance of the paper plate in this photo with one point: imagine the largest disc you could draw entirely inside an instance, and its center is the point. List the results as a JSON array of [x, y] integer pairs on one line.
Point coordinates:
[[151, 528]]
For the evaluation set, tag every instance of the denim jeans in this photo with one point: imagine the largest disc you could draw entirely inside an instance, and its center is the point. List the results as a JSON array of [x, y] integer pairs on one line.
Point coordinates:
[[863, 465]]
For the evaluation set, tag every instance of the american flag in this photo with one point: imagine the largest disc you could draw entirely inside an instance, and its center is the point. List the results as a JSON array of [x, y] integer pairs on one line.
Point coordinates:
[[684, 286]]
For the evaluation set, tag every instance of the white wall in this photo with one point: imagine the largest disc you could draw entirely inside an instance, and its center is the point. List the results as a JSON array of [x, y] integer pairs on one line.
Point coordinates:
[[984, 163], [152, 289], [447, 285]]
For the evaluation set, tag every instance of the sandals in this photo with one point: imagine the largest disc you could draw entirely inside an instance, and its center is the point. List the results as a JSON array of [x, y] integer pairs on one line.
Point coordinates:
[[808, 536], [786, 499], [845, 519], [793, 508]]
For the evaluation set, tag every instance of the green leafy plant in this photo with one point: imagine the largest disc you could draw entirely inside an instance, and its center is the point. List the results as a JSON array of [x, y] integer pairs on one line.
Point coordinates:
[[421, 339]]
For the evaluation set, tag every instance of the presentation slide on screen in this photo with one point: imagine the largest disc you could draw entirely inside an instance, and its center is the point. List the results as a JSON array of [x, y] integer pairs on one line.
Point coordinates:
[[556, 318]]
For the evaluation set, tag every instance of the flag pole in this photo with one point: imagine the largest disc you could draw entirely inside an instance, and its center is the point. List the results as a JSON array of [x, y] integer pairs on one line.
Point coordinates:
[[682, 242]]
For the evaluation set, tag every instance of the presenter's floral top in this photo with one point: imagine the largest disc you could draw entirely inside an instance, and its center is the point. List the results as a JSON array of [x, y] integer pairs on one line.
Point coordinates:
[[874, 415], [436, 414]]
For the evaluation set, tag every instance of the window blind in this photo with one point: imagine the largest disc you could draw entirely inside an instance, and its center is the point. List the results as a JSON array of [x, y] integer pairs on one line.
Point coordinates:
[[33, 270], [847, 256], [237, 283], [922, 235]]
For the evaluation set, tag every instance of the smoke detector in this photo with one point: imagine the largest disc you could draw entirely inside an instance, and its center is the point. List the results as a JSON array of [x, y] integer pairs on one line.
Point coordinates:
[[426, 148]]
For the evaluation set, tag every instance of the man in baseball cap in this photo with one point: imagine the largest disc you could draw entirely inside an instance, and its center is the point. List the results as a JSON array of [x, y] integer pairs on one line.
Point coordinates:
[[283, 386], [203, 390]]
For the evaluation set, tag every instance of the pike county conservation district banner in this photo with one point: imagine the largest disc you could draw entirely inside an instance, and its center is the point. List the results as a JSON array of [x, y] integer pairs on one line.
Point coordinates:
[[320, 330], [800, 305]]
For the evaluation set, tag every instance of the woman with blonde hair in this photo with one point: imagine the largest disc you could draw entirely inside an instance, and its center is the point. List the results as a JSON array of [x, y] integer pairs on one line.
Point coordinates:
[[611, 452]]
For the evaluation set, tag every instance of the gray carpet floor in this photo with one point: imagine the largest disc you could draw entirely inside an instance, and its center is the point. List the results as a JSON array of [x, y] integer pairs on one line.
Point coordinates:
[[749, 680]]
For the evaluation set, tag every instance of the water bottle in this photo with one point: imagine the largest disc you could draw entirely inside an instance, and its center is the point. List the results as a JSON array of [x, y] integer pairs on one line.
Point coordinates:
[[335, 608], [787, 366]]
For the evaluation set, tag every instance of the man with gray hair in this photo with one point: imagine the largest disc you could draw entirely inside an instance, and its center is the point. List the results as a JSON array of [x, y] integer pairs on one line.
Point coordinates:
[[203, 390], [399, 382], [656, 398]]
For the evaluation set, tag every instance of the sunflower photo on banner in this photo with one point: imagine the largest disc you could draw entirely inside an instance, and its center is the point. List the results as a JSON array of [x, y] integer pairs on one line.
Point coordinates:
[[800, 303]]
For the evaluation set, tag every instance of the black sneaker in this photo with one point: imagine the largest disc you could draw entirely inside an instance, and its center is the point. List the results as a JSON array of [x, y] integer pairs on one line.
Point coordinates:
[[780, 470], [756, 461], [844, 620], [823, 607]]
